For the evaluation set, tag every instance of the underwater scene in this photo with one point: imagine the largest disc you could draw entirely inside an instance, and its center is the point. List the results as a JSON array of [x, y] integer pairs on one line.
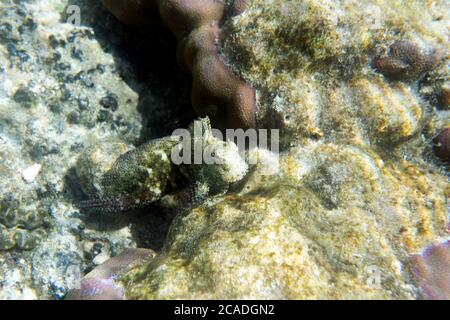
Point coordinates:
[[224, 149]]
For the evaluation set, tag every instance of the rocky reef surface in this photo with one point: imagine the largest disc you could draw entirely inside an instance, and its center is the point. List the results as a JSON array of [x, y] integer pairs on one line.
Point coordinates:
[[67, 88], [359, 92]]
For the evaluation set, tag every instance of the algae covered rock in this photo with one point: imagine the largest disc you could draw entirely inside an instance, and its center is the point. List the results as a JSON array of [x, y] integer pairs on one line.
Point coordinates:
[[131, 179], [284, 237], [60, 93], [354, 87]]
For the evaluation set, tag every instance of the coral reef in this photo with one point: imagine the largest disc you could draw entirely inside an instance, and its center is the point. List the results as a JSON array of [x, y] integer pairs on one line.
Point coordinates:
[[216, 91], [61, 92], [358, 195], [354, 206], [314, 72], [230, 247]]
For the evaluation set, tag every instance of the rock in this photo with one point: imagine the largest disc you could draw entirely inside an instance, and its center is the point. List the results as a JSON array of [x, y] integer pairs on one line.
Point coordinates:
[[312, 62], [49, 104], [345, 236]]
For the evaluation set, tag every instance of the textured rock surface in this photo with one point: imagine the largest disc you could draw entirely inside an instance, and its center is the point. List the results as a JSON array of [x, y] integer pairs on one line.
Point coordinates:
[[312, 62], [63, 92], [308, 233]]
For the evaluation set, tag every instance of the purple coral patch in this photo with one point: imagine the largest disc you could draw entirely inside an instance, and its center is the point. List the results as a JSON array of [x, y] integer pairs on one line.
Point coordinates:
[[100, 284], [432, 268]]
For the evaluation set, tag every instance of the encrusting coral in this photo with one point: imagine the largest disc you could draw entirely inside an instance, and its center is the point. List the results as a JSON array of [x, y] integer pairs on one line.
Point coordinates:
[[406, 61], [216, 92], [22, 227]]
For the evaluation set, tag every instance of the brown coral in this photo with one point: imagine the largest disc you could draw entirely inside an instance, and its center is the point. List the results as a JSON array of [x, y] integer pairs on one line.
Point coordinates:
[[444, 99], [216, 91], [406, 61], [442, 145]]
